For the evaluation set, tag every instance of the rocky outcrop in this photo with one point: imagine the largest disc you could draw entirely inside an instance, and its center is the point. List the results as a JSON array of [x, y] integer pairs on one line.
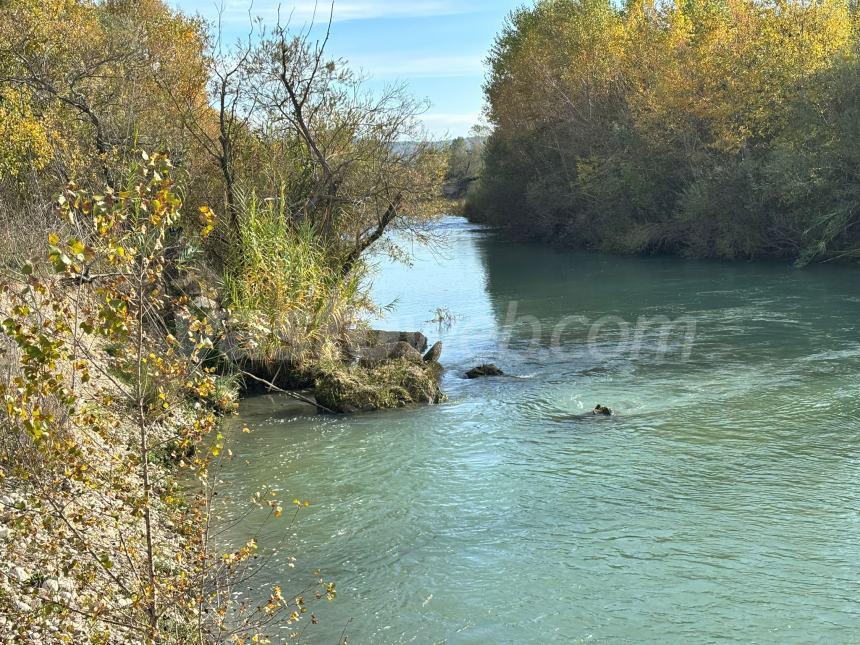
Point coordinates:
[[484, 370], [434, 354], [377, 337], [373, 356], [391, 384], [387, 371], [380, 369]]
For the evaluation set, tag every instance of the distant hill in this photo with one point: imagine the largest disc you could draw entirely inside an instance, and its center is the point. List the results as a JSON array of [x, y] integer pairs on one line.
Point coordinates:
[[405, 147]]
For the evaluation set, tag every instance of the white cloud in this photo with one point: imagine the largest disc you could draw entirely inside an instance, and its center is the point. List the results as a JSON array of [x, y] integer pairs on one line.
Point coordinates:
[[382, 67], [236, 11]]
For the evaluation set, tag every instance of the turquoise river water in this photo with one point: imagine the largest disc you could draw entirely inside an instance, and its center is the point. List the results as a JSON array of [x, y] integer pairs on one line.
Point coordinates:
[[721, 503]]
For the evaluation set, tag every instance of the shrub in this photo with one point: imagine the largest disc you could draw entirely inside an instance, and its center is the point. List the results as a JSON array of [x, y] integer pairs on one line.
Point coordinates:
[[96, 393]]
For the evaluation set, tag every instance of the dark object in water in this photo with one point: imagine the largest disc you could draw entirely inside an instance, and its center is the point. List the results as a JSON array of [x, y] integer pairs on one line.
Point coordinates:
[[600, 409], [434, 353], [484, 370]]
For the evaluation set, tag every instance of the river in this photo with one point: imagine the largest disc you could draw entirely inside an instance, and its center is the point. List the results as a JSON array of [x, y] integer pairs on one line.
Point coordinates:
[[720, 503]]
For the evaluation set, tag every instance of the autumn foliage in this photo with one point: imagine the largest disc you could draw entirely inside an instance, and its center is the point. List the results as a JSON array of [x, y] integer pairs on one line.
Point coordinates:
[[707, 128], [169, 201], [100, 541]]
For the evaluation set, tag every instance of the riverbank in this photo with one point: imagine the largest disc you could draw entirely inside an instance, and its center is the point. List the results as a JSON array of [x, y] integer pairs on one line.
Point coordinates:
[[72, 540], [107, 416], [671, 243], [719, 501], [111, 390], [97, 542], [667, 131]]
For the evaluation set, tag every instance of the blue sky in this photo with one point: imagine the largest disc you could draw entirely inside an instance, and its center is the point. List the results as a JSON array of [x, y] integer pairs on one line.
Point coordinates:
[[437, 47]]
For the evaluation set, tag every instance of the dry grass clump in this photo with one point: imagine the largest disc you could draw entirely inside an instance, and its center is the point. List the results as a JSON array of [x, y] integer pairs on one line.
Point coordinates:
[[24, 227], [289, 303]]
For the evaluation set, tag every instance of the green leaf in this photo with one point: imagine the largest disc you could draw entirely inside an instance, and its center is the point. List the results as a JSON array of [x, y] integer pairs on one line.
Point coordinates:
[[58, 259], [77, 247]]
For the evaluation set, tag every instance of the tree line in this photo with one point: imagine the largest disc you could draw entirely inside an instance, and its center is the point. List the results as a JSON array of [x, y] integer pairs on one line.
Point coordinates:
[[706, 128]]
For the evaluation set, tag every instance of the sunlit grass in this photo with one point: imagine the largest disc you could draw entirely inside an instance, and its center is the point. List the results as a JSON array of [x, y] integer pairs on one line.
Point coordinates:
[[285, 291]]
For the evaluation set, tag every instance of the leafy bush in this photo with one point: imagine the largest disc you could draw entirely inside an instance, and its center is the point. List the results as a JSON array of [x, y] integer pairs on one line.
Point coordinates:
[[97, 394]]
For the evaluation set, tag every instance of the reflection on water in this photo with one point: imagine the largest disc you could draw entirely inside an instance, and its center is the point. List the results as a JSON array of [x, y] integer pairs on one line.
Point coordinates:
[[720, 503]]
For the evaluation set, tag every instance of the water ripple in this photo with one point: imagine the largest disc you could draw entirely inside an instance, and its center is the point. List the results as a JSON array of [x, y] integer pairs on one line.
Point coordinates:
[[721, 503]]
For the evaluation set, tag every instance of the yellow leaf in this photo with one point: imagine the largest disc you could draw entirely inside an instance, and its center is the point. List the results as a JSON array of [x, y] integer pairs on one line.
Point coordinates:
[[77, 247]]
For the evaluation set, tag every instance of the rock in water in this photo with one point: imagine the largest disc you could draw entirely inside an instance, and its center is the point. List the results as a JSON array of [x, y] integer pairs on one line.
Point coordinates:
[[373, 356], [434, 354], [484, 370], [405, 350], [385, 370], [376, 337], [391, 384]]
